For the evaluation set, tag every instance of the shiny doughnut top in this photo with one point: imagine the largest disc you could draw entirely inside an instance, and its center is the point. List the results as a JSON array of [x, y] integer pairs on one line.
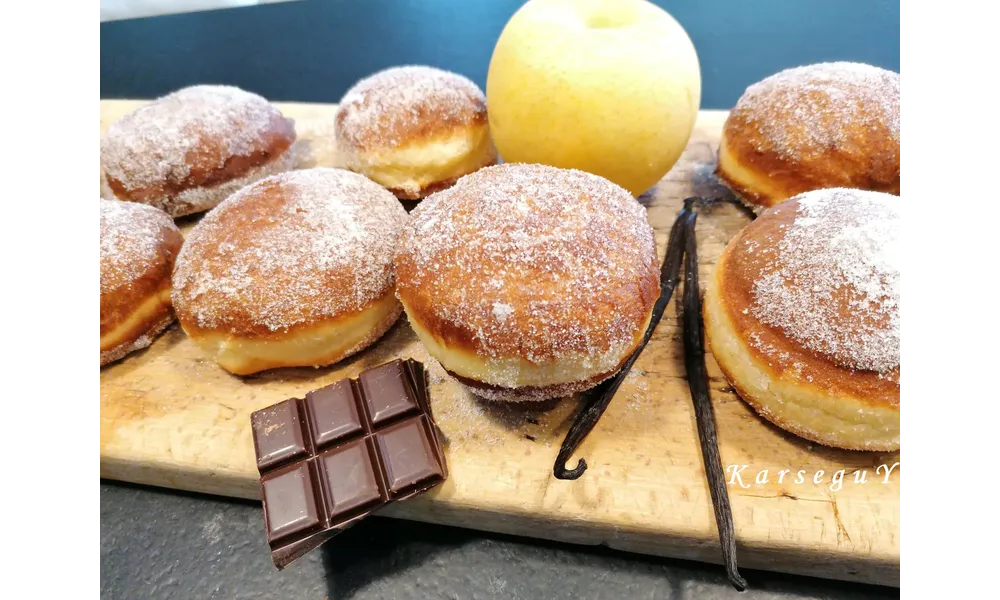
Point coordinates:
[[813, 286], [138, 246], [817, 126], [290, 250], [196, 137], [530, 262], [404, 105]]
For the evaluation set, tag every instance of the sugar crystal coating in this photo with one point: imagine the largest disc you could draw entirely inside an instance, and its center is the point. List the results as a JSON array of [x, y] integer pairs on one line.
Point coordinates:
[[389, 107], [131, 241], [833, 282], [153, 144], [532, 261], [293, 248], [817, 102]]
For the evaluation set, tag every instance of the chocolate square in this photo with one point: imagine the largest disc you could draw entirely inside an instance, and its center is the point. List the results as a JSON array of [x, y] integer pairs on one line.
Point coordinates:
[[333, 413], [388, 392], [277, 434], [290, 501], [408, 455], [350, 478]]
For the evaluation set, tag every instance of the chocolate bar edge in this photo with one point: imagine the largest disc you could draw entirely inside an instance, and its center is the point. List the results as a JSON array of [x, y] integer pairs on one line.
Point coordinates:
[[423, 395], [282, 556]]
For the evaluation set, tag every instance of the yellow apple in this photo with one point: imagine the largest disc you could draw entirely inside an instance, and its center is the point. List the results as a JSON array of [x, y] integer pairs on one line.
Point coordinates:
[[611, 87]]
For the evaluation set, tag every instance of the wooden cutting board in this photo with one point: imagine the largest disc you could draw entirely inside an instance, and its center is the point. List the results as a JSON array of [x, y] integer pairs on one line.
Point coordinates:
[[170, 417]]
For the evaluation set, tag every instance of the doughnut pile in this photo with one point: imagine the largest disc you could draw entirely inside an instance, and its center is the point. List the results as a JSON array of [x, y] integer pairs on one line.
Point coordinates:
[[820, 126], [414, 129], [528, 282], [187, 151], [293, 270], [802, 315], [138, 246]]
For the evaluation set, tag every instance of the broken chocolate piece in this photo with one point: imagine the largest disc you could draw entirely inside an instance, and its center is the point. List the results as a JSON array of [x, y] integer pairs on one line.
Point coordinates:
[[341, 453]]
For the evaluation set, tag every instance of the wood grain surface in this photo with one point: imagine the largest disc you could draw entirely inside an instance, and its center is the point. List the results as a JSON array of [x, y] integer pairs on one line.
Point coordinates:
[[170, 417]]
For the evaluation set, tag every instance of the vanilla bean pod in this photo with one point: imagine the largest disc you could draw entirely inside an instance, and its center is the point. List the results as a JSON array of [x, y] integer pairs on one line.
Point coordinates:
[[600, 397], [697, 376]]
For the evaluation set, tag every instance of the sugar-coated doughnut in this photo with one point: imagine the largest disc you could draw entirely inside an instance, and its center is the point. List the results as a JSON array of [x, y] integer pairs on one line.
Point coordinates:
[[187, 151], [414, 129], [802, 315], [819, 126], [529, 282], [293, 270], [139, 244]]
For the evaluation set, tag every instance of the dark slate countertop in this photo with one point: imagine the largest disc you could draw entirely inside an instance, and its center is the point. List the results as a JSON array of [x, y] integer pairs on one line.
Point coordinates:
[[159, 544]]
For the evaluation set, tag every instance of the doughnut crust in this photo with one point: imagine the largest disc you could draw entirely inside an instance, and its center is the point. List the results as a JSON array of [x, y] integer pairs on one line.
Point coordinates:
[[414, 129], [294, 270], [139, 244], [819, 126], [187, 151], [802, 316], [528, 282]]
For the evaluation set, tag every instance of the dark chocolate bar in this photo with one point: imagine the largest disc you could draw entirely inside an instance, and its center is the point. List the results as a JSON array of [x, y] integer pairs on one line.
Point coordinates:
[[332, 458]]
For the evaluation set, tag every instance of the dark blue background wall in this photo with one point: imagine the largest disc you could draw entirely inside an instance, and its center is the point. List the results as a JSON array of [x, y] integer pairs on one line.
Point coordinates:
[[313, 50]]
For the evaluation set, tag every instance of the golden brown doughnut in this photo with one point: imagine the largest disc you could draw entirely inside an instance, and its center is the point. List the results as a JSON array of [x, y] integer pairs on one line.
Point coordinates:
[[802, 315], [528, 282], [293, 270], [414, 129], [138, 246], [187, 151], [819, 126]]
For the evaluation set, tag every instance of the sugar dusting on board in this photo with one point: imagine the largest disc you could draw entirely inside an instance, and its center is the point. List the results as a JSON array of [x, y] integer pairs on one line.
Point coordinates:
[[469, 420], [816, 102], [153, 144], [640, 384], [131, 241], [283, 251], [834, 283], [534, 262], [386, 108]]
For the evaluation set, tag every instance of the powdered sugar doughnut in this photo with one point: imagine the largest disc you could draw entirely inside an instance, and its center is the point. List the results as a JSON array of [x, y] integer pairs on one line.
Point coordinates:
[[529, 282], [819, 126], [187, 151], [294, 270], [138, 246], [414, 129], [802, 316]]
